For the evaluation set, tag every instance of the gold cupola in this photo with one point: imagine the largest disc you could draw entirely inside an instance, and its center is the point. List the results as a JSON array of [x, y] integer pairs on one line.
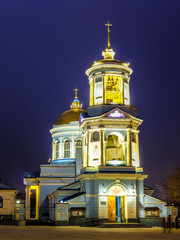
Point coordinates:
[[72, 114]]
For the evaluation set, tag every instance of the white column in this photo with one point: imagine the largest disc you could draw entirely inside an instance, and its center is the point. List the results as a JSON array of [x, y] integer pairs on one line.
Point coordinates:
[[102, 147], [72, 147], [129, 150], [137, 146], [84, 157], [88, 148]]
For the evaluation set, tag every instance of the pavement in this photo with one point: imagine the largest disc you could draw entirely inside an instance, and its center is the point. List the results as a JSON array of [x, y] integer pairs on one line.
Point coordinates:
[[81, 233]]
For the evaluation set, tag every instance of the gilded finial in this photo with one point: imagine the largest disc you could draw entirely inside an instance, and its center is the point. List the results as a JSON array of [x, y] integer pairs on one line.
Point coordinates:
[[76, 104], [108, 30], [76, 90]]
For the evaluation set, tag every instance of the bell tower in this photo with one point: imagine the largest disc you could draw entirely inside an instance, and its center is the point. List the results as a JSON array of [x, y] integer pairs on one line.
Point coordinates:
[[110, 124], [109, 79]]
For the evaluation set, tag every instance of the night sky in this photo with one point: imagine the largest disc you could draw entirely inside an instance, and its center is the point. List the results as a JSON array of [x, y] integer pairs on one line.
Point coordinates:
[[45, 48]]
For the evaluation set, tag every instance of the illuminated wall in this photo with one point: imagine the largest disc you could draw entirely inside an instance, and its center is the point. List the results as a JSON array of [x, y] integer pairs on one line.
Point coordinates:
[[32, 202], [64, 141]]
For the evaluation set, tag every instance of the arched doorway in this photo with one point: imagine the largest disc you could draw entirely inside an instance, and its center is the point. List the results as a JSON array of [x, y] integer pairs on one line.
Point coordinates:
[[116, 204], [114, 147]]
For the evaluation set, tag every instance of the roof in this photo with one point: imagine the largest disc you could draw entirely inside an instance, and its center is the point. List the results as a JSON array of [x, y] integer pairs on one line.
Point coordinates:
[[4, 187], [69, 116], [151, 208], [107, 61], [31, 174], [71, 186], [72, 196], [98, 110]]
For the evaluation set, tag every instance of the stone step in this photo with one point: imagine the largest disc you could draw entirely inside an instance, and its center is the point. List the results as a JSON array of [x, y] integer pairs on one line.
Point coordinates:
[[122, 225]]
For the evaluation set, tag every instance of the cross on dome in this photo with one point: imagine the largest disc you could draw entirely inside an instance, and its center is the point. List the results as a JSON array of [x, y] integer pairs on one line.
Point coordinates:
[[76, 90], [76, 104], [108, 53], [108, 30]]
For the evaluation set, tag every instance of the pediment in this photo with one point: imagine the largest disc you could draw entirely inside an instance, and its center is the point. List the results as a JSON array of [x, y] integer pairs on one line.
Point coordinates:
[[116, 113]]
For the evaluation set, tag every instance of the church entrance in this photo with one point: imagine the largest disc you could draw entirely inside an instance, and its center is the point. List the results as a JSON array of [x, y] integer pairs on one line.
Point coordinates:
[[116, 209], [116, 205]]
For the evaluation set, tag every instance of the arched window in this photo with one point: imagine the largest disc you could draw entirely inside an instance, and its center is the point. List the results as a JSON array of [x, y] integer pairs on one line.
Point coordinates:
[[114, 149], [67, 148], [79, 142], [56, 149], [1, 202]]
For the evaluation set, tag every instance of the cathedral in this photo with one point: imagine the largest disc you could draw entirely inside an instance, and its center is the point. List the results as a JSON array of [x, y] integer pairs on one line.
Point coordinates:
[[95, 171]]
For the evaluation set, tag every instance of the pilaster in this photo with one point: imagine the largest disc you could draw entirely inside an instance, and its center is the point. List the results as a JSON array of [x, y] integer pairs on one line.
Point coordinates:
[[129, 149], [102, 147]]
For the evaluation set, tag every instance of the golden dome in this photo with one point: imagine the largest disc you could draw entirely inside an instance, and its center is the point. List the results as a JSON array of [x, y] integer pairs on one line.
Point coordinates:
[[69, 116], [72, 114]]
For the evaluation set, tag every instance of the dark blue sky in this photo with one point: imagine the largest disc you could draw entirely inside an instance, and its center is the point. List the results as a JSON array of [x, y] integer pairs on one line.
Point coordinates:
[[45, 48]]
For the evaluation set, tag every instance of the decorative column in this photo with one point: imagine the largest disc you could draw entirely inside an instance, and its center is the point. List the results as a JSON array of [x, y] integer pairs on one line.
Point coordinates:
[[72, 147], [91, 91], [53, 150], [102, 147], [61, 150], [137, 146], [104, 88], [88, 148], [122, 89], [84, 152], [129, 151]]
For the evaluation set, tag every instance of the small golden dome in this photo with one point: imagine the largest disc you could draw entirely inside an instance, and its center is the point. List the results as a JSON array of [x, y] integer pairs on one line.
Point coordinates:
[[72, 114], [69, 116]]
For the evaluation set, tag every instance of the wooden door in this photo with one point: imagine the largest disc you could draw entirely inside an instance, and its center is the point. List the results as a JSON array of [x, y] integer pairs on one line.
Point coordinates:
[[111, 209]]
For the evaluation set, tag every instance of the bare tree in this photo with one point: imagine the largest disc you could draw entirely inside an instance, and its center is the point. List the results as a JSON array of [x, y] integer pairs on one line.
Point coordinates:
[[173, 185]]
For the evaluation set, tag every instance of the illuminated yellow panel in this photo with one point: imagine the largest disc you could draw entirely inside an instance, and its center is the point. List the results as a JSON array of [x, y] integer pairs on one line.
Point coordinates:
[[34, 201], [112, 88], [91, 93]]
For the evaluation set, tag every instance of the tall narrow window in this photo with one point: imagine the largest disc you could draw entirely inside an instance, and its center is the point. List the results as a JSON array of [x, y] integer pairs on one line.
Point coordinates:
[[98, 93], [79, 142], [126, 94], [57, 149], [1, 202], [66, 148]]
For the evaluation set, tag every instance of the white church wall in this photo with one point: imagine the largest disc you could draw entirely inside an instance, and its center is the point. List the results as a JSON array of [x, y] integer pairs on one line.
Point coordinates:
[[103, 206], [131, 207]]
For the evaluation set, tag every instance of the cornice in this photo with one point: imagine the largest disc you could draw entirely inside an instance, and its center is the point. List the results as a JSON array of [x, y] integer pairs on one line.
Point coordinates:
[[112, 176], [108, 66]]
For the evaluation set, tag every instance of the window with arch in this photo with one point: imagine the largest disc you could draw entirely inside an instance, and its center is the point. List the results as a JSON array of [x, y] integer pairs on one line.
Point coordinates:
[[56, 149], [67, 148], [79, 142], [114, 148], [1, 202]]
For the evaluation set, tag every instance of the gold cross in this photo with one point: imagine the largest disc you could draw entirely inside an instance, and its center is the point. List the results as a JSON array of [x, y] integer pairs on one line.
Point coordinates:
[[76, 90], [108, 25]]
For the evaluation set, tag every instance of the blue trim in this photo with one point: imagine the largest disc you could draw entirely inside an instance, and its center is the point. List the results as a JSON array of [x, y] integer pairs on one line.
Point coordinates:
[[116, 165], [64, 160], [118, 208]]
